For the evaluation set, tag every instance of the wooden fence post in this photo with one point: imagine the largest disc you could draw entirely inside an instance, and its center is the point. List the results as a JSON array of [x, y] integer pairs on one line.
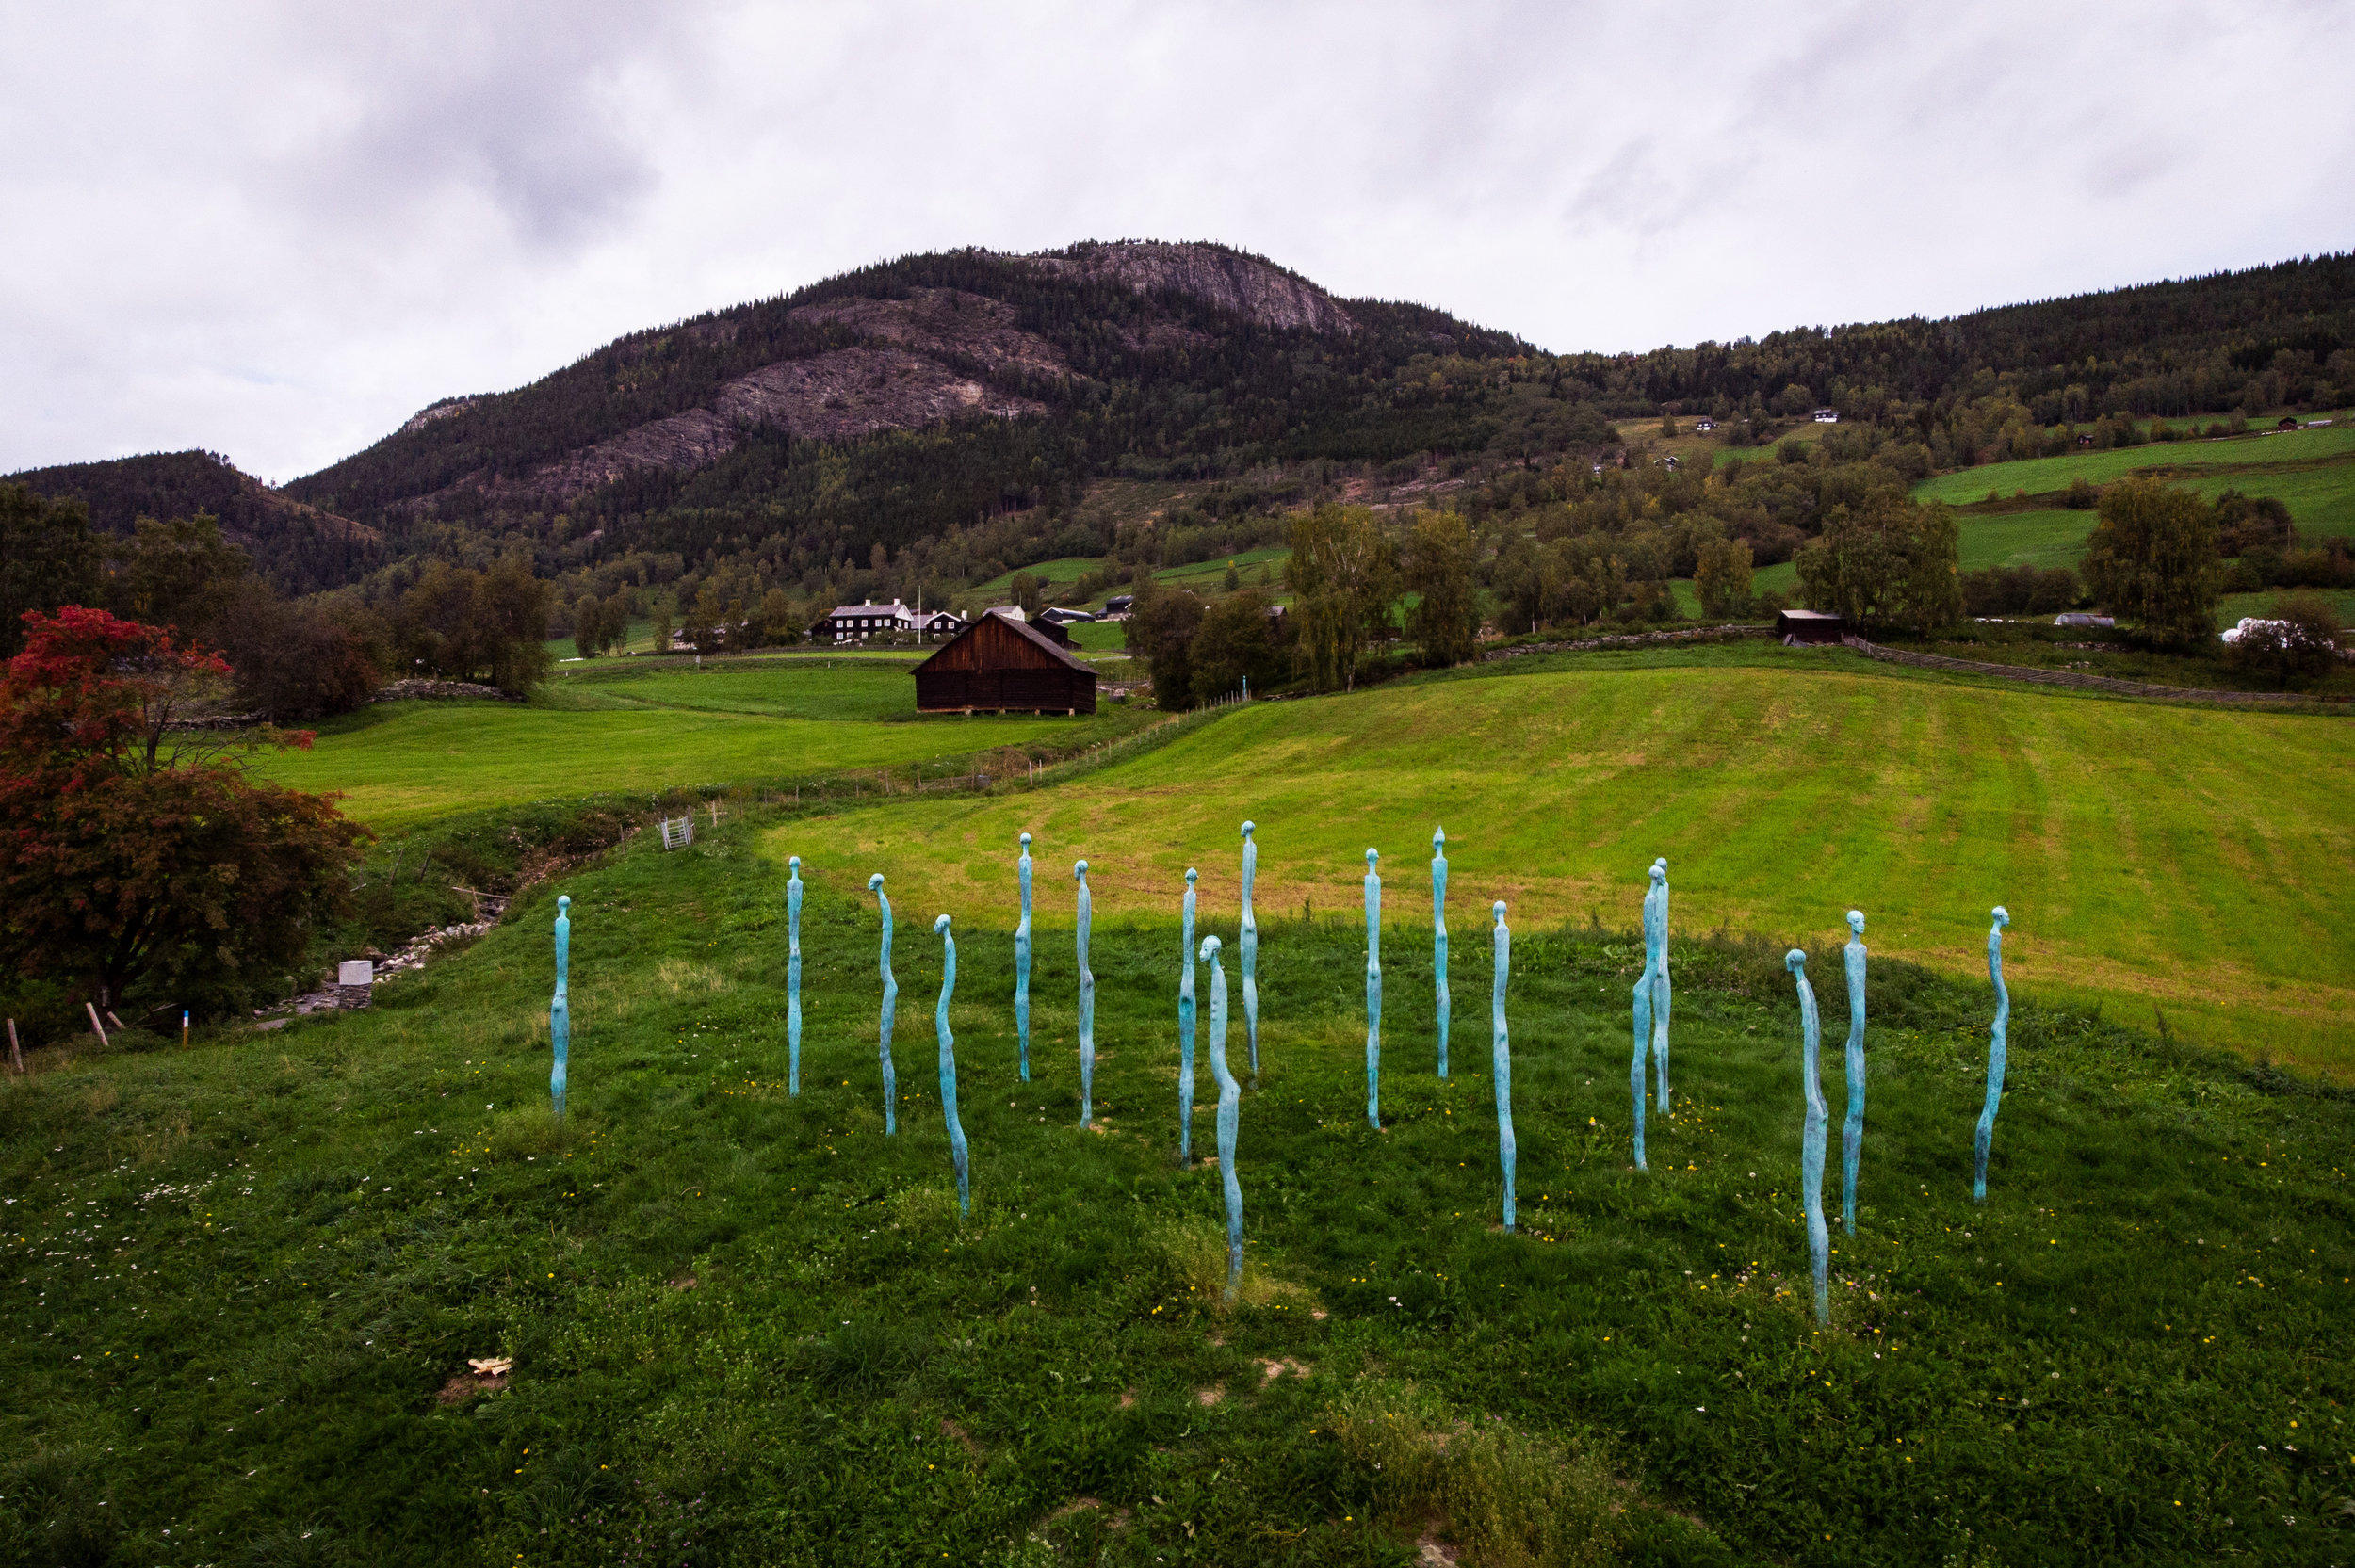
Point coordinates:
[[16, 1056], [96, 1027]]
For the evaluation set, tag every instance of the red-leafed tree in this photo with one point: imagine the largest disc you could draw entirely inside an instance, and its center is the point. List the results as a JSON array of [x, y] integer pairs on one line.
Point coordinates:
[[137, 854]]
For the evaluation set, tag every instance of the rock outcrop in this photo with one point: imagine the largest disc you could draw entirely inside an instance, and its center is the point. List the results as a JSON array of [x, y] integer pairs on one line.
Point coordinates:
[[1256, 290]]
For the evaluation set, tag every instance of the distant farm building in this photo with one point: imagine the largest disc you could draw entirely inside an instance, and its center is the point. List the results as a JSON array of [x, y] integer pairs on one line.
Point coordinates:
[[1827, 416], [1121, 604], [857, 623], [2286, 422], [1800, 628], [1064, 616], [941, 624], [1002, 665]]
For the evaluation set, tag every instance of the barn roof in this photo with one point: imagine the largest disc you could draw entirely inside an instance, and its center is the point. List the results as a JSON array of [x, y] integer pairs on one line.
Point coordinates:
[[1021, 628]]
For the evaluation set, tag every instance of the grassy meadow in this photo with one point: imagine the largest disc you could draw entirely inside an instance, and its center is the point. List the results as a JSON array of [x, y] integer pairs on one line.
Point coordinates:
[[628, 726], [2312, 471], [748, 1327], [2173, 863], [2044, 539]]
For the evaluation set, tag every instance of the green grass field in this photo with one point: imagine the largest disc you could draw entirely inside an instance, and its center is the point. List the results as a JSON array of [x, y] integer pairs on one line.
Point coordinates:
[[2040, 538], [2314, 471], [2230, 608], [245, 1280], [2143, 863], [622, 728]]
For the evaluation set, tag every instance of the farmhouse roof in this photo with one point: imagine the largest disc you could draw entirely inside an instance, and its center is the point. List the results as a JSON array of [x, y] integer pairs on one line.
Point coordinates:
[[1020, 627]]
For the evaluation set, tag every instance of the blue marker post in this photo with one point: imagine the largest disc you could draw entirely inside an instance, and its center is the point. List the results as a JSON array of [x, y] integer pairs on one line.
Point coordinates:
[[1500, 1056], [1812, 1143], [1087, 1001], [949, 1062], [560, 1007], [1438, 936], [1229, 1103], [1373, 992], [1185, 1032], [1247, 944], [1022, 960], [1994, 1051], [890, 1006], [793, 976], [1651, 1001], [1852, 1131]]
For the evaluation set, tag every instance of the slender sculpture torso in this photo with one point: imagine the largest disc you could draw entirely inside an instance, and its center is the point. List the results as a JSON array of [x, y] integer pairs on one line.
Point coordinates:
[[1438, 935], [890, 1005], [1373, 992], [1087, 1002], [949, 1062], [1248, 943], [1811, 1146], [1994, 1052], [1230, 1103], [793, 976], [1852, 1131], [1185, 1031], [1651, 1001], [1022, 960], [561, 1006], [1501, 1054]]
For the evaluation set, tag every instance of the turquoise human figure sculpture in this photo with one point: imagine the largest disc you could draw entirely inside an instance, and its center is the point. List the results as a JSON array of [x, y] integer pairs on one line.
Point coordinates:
[[1438, 936], [1247, 944], [559, 1006], [1373, 992], [1022, 961], [890, 1005], [1651, 1002], [1087, 1001], [793, 976], [1229, 1112], [1501, 1057], [1852, 1131], [1812, 1144], [1994, 1052], [1185, 1031], [949, 1063]]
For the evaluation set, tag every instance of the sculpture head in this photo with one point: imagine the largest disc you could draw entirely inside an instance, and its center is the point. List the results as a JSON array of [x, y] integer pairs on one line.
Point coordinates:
[[941, 926], [1025, 844], [793, 864], [1498, 908], [1247, 829], [1796, 961], [1856, 921], [1079, 871], [563, 905], [1209, 950], [1372, 855], [1190, 873], [2003, 917], [1438, 839], [1659, 873], [874, 883]]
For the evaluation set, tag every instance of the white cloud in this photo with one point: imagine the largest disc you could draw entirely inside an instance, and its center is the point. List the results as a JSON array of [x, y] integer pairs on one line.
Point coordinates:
[[276, 230]]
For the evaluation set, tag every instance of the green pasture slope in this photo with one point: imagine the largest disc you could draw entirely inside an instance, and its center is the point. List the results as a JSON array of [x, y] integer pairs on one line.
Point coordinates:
[[633, 726], [2163, 861], [244, 1280]]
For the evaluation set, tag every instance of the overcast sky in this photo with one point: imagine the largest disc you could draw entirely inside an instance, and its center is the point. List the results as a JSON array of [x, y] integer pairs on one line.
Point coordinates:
[[277, 230]]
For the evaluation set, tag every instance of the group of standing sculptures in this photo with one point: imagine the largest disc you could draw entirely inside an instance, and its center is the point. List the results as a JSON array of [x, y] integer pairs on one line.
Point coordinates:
[[1652, 1017]]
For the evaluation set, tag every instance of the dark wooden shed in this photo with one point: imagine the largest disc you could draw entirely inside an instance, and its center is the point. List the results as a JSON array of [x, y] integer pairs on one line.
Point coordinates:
[[999, 665], [1798, 627]]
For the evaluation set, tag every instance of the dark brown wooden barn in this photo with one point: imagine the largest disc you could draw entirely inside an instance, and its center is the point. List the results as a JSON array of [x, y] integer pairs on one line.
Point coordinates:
[[999, 665]]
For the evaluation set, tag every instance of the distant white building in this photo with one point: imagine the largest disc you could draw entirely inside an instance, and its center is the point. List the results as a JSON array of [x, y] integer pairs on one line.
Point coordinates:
[[1704, 425], [857, 623], [1827, 416]]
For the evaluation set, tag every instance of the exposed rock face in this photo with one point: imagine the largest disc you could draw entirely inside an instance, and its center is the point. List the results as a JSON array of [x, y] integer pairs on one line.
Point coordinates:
[[832, 397], [1254, 289], [441, 410], [944, 320]]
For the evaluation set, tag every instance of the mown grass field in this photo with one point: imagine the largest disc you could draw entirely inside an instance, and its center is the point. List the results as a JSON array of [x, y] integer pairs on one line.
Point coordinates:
[[2159, 860], [622, 727], [2039, 538], [745, 1327], [2313, 471]]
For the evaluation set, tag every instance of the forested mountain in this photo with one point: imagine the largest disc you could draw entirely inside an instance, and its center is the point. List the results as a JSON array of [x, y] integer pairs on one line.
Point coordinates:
[[298, 548], [926, 424]]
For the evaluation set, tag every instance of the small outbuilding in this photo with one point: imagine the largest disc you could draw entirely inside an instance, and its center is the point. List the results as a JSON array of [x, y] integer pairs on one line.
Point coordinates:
[[1001, 665], [1797, 628]]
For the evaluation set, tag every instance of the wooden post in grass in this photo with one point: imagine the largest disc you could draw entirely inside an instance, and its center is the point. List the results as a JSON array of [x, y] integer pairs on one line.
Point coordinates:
[[100, 1029], [16, 1055]]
